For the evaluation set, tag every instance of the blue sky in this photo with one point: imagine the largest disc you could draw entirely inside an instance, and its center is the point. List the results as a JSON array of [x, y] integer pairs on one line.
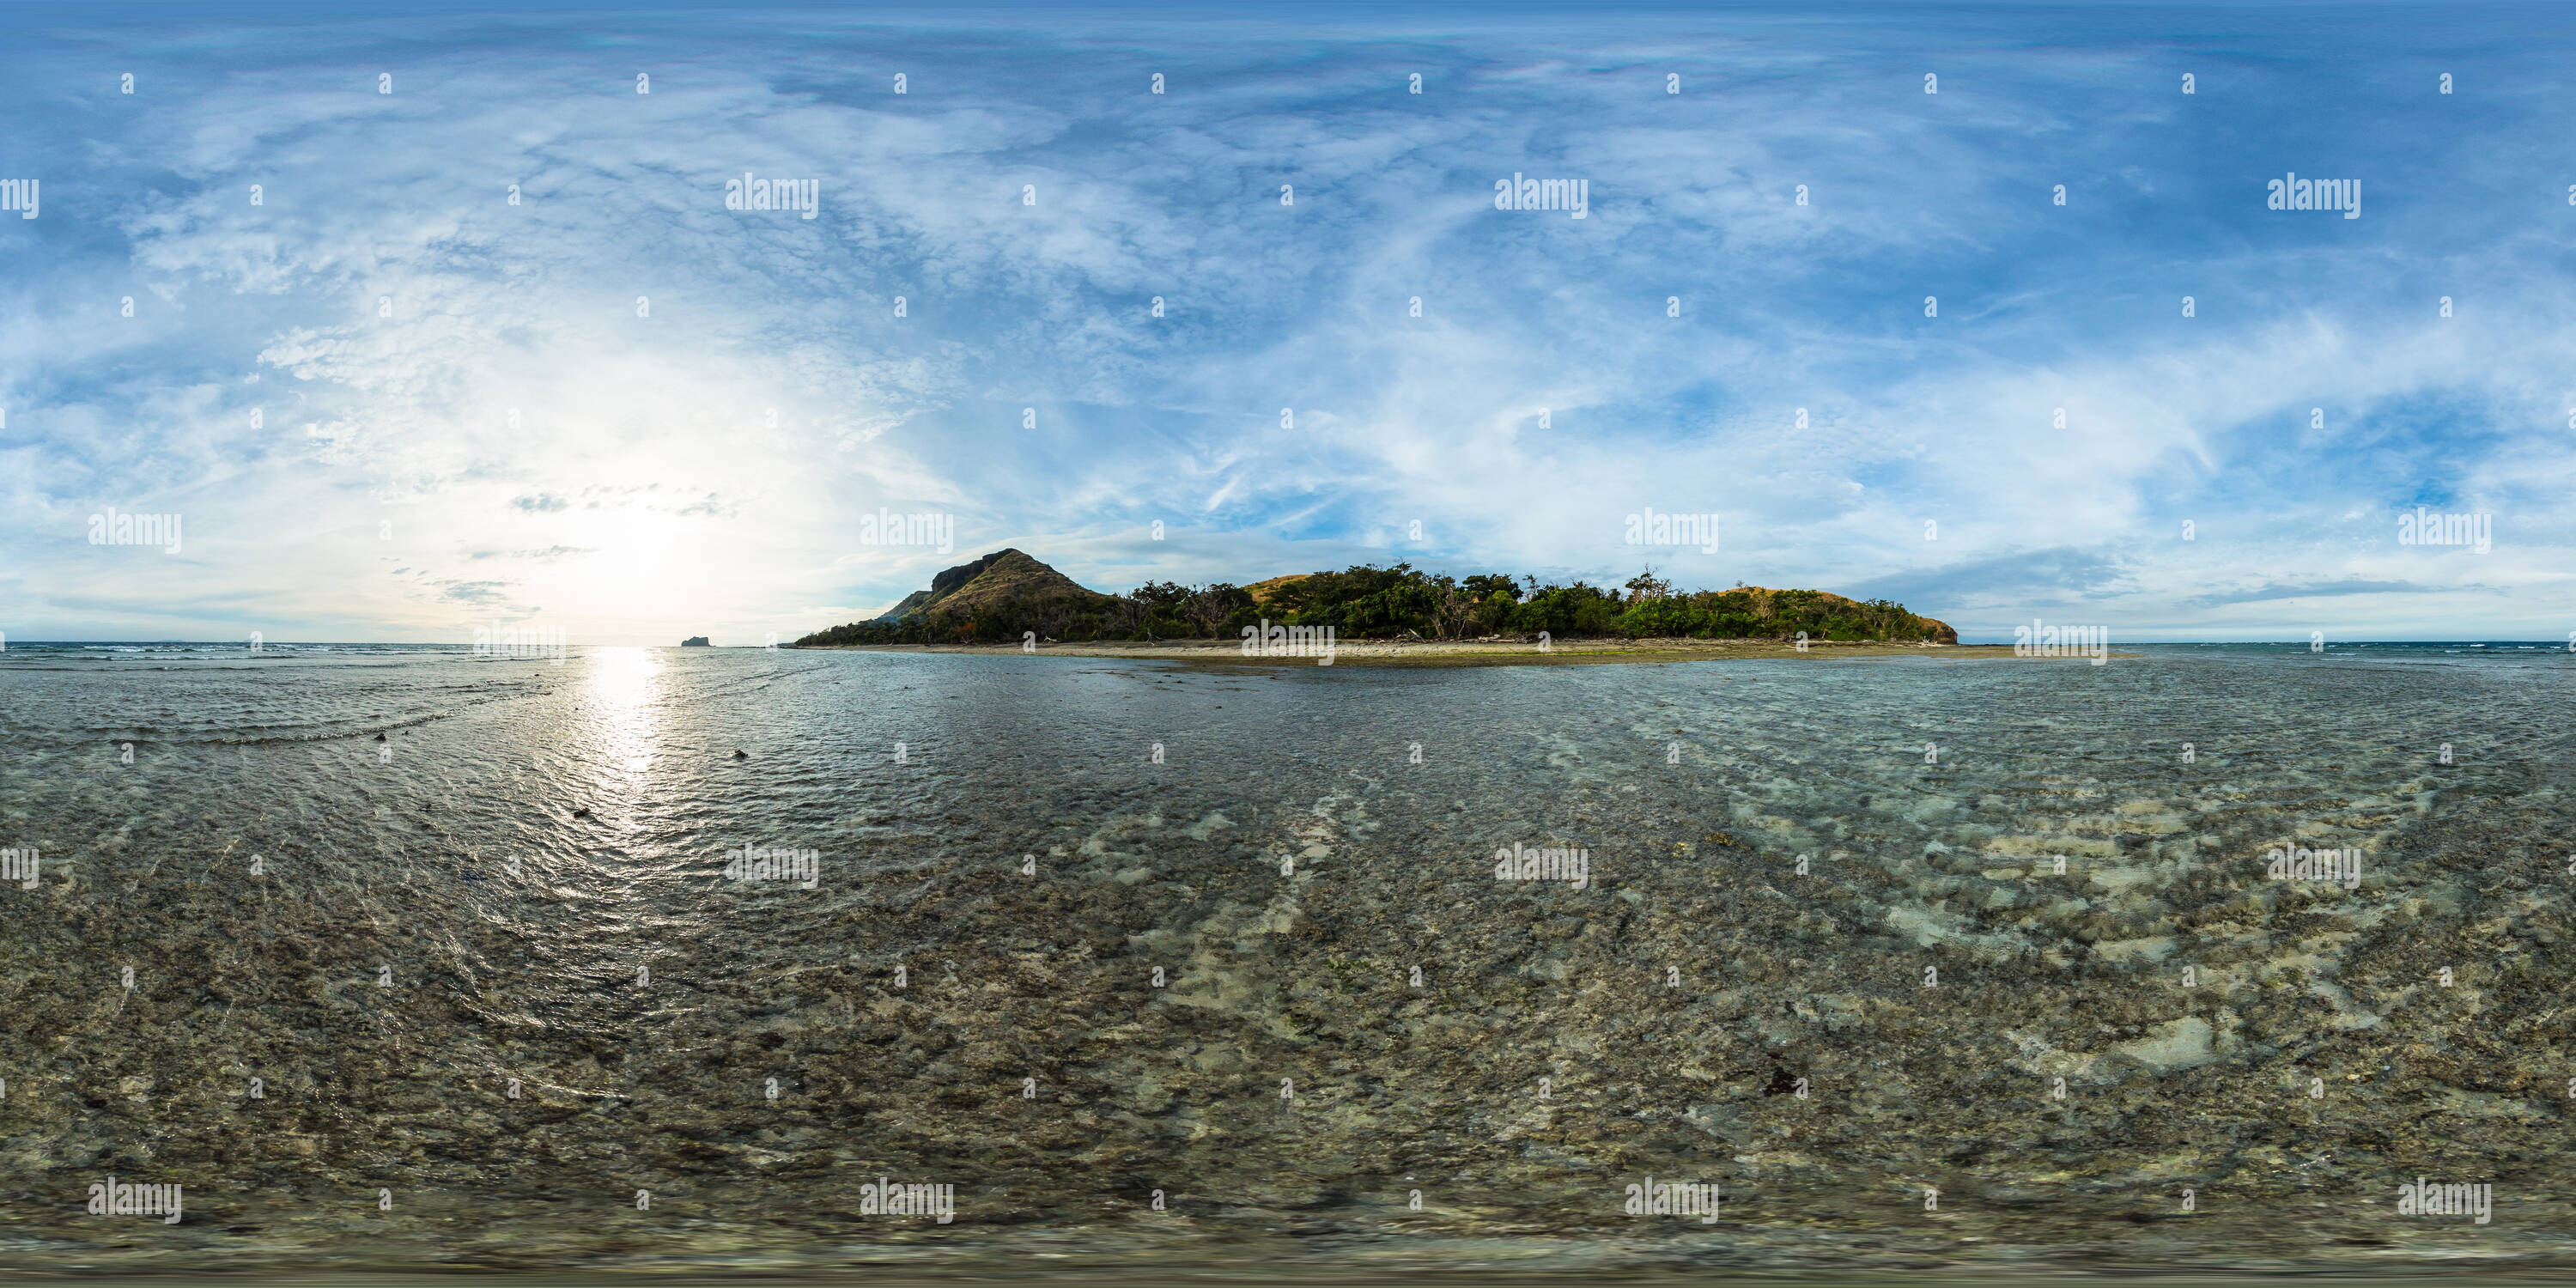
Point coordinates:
[[707, 468]]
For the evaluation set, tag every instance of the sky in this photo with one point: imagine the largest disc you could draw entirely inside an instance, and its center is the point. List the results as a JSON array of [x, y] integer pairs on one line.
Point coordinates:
[[420, 319]]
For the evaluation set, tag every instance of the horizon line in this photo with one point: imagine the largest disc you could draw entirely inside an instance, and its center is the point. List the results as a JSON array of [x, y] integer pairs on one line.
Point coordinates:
[[267, 644]]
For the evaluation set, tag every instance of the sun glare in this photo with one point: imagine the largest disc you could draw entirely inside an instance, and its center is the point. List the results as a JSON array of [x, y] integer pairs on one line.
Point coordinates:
[[627, 684]]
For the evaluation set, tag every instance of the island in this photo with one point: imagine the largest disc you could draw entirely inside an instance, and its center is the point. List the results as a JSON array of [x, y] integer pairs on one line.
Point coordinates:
[[1010, 602]]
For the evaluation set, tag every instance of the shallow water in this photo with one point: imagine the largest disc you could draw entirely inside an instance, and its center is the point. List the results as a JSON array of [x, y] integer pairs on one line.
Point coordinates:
[[523, 880]]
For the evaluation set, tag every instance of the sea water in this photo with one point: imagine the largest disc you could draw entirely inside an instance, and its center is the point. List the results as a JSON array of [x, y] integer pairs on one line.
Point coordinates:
[[741, 959]]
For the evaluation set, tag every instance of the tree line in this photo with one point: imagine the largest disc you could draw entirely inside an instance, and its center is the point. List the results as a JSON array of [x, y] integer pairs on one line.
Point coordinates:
[[1369, 602]]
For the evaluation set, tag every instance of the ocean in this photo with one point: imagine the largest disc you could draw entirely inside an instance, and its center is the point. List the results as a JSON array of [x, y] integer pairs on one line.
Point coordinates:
[[752, 961]]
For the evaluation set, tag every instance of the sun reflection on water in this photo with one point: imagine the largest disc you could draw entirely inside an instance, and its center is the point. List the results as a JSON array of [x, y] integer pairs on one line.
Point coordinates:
[[627, 688]]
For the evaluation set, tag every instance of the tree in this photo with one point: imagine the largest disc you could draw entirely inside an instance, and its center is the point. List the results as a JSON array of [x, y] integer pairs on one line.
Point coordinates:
[[1646, 585], [1216, 604]]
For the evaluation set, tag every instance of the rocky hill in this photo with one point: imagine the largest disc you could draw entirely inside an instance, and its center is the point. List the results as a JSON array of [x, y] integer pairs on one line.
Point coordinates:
[[1000, 578]]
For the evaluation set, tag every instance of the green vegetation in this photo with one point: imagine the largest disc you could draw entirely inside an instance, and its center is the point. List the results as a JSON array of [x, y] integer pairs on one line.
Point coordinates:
[[1364, 602]]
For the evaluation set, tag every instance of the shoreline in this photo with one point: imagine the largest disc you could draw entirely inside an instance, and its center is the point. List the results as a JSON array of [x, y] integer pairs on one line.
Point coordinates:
[[1222, 652]]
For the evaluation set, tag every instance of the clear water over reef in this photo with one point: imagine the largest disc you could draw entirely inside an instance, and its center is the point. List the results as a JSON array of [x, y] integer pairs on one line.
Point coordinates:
[[395, 883]]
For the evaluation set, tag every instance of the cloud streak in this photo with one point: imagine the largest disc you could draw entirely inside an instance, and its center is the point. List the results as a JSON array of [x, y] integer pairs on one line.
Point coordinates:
[[667, 416]]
